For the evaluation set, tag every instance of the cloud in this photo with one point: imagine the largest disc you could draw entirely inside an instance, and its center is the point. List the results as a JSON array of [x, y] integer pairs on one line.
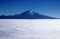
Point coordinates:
[[29, 29]]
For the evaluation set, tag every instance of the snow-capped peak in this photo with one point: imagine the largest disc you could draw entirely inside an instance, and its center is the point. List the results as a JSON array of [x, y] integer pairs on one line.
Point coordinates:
[[30, 12]]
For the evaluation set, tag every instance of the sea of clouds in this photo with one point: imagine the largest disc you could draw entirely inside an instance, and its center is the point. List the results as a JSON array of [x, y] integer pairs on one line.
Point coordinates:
[[30, 29]]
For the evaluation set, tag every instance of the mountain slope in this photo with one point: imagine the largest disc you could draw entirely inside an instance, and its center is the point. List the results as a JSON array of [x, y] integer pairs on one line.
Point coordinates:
[[27, 15]]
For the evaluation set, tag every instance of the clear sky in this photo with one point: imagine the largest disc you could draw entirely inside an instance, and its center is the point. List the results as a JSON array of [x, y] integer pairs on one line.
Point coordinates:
[[46, 7]]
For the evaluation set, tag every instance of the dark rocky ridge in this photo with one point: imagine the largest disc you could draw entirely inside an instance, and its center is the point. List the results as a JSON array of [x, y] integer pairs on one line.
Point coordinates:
[[27, 15]]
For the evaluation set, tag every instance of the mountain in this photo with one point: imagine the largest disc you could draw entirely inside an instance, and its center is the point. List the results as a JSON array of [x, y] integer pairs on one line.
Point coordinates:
[[27, 15]]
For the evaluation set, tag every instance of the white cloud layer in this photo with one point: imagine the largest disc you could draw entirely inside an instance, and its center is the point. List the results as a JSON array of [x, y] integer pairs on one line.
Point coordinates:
[[29, 29]]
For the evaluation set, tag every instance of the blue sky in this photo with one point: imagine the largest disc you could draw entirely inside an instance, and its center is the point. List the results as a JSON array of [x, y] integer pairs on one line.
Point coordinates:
[[46, 7]]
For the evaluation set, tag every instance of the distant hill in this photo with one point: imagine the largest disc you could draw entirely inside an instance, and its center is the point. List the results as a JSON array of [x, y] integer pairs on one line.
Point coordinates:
[[27, 15]]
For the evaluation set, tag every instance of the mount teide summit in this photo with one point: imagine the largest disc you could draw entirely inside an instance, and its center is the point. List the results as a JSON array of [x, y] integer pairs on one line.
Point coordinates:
[[27, 15]]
